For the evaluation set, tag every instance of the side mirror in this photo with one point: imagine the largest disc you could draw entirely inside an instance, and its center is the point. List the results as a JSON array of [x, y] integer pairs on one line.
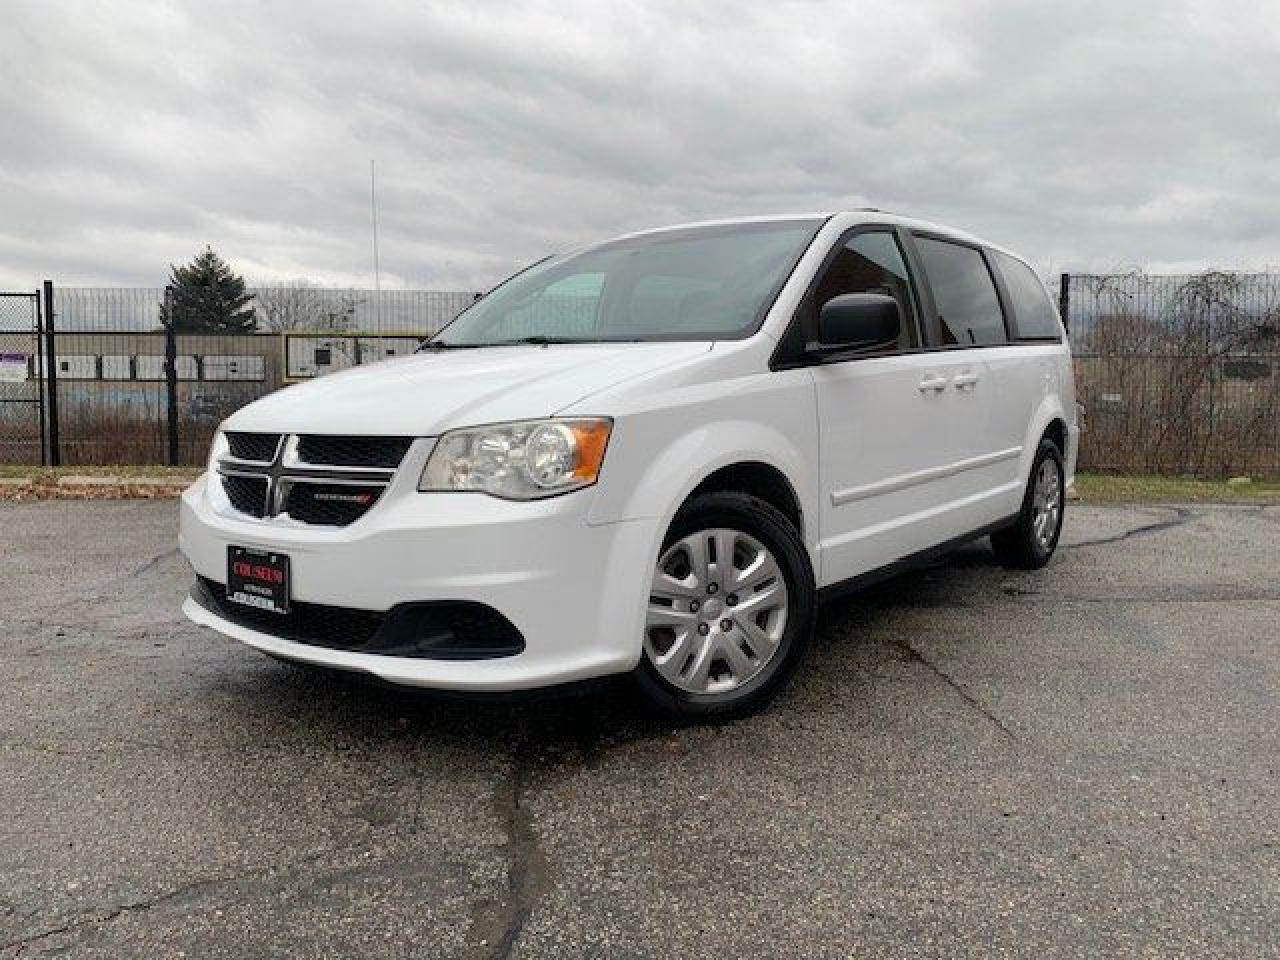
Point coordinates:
[[857, 321]]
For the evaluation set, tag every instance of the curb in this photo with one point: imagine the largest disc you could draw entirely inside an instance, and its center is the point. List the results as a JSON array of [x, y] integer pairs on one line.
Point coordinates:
[[107, 481]]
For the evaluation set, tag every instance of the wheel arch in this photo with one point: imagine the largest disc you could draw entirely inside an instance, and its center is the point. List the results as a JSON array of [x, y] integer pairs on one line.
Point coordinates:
[[1050, 421], [760, 480], [1056, 430], [721, 455]]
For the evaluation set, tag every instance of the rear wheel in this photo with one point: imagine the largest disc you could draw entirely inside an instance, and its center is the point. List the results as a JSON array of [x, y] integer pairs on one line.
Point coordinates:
[[730, 608], [1030, 541]]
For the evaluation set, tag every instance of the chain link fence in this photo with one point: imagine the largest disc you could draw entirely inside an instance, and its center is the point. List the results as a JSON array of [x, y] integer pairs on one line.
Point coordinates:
[[22, 398], [1179, 375], [126, 390]]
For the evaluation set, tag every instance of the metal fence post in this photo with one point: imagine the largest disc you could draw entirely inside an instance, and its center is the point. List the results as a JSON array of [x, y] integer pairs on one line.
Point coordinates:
[[51, 375], [171, 378], [1064, 300], [40, 399]]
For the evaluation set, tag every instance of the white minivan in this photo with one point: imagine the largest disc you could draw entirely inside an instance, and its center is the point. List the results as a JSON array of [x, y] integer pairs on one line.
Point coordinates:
[[655, 456]]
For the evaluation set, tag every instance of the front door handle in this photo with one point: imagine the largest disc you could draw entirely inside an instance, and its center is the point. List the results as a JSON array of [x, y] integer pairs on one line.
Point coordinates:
[[962, 380], [933, 383]]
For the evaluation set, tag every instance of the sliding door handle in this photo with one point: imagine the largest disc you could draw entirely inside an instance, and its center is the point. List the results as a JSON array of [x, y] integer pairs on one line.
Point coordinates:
[[962, 380], [933, 383]]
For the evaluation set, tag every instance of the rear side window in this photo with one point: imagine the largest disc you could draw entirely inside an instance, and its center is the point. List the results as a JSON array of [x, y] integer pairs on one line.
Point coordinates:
[[1034, 315], [968, 307]]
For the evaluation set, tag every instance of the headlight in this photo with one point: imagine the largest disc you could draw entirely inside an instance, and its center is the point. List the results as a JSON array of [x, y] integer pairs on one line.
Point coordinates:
[[519, 461]]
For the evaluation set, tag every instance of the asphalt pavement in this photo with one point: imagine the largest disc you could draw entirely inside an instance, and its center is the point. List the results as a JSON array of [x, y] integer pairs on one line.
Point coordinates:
[[1080, 761]]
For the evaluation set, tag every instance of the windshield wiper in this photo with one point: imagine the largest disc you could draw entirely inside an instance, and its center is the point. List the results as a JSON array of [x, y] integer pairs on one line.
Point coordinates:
[[441, 345], [537, 340]]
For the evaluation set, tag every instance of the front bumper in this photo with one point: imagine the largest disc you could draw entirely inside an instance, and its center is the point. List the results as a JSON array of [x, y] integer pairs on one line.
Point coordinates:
[[576, 592]]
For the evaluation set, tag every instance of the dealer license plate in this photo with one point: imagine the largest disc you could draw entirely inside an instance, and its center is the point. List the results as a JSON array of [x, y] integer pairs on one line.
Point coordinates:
[[258, 578]]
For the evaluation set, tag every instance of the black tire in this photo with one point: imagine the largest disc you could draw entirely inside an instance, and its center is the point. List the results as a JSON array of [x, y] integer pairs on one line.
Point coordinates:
[[757, 519], [1018, 546]]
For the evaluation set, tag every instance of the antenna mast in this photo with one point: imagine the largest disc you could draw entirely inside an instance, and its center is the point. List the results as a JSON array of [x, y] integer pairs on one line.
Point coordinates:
[[377, 274]]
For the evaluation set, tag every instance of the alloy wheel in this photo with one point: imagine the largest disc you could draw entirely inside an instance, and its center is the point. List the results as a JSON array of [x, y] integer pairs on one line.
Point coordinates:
[[1046, 503]]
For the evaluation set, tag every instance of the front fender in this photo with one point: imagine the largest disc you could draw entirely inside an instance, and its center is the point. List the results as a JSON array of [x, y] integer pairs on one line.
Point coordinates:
[[653, 463]]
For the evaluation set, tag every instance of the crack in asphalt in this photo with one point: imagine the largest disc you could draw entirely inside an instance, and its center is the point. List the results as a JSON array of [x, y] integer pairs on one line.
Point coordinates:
[[111, 914], [527, 869], [1181, 516], [96, 591], [549, 750], [191, 890], [148, 565], [88, 593], [916, 656]]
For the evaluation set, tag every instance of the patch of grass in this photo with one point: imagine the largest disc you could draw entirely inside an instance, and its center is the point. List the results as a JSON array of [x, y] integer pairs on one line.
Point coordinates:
[[1106, 488], [49, 474]]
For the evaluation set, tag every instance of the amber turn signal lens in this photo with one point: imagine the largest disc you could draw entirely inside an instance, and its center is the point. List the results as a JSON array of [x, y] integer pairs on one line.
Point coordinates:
[[592, 436]]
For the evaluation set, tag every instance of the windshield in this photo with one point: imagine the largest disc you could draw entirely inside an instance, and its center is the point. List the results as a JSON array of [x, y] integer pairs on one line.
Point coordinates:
[[700, 283]]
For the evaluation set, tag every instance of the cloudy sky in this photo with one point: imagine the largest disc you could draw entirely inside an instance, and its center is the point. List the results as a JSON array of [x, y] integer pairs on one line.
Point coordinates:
[[1088, 135]]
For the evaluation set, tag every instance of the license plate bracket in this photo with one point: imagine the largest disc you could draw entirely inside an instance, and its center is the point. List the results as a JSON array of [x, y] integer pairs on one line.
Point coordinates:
[[258, 579]]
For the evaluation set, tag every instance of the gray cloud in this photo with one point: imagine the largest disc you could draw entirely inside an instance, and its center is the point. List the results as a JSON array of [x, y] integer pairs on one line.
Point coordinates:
[[1088, 136]]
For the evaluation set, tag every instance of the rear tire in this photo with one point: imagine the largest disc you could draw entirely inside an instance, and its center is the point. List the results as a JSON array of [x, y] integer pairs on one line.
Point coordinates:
[[1030, 541], [722, 638]]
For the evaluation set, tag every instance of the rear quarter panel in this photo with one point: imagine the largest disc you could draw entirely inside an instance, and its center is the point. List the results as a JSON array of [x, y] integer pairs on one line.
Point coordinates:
[[1046, 370]]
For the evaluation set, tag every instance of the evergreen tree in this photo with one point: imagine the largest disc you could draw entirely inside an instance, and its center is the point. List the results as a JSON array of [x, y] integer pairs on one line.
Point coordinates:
[[206, 296]]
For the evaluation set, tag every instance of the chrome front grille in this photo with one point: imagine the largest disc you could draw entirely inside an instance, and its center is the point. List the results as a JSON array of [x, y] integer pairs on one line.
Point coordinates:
[[330, 504], [254, 447], [386, 452], [247, 494], [311, 478]]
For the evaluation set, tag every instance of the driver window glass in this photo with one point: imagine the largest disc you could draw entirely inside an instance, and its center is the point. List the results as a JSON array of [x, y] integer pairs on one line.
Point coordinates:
[[871, 263]]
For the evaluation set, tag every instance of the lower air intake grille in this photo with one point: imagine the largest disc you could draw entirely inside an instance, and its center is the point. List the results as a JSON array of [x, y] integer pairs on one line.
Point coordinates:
[[247, 494], [436, 630], [330, 504]]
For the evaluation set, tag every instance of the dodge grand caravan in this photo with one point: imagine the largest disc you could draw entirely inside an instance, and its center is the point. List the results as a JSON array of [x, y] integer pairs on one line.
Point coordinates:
[[651, 456]]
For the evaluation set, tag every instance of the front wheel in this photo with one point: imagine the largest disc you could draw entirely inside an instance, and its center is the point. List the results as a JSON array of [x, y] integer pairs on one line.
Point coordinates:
[[730, 609], [1030, 541]]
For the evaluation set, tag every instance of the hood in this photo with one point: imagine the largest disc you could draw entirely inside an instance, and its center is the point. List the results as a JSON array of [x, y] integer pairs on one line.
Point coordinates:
[[430, 392]]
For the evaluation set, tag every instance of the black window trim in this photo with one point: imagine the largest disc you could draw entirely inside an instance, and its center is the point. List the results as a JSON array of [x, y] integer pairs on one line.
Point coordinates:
[[1016, 335], [790, 354]]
